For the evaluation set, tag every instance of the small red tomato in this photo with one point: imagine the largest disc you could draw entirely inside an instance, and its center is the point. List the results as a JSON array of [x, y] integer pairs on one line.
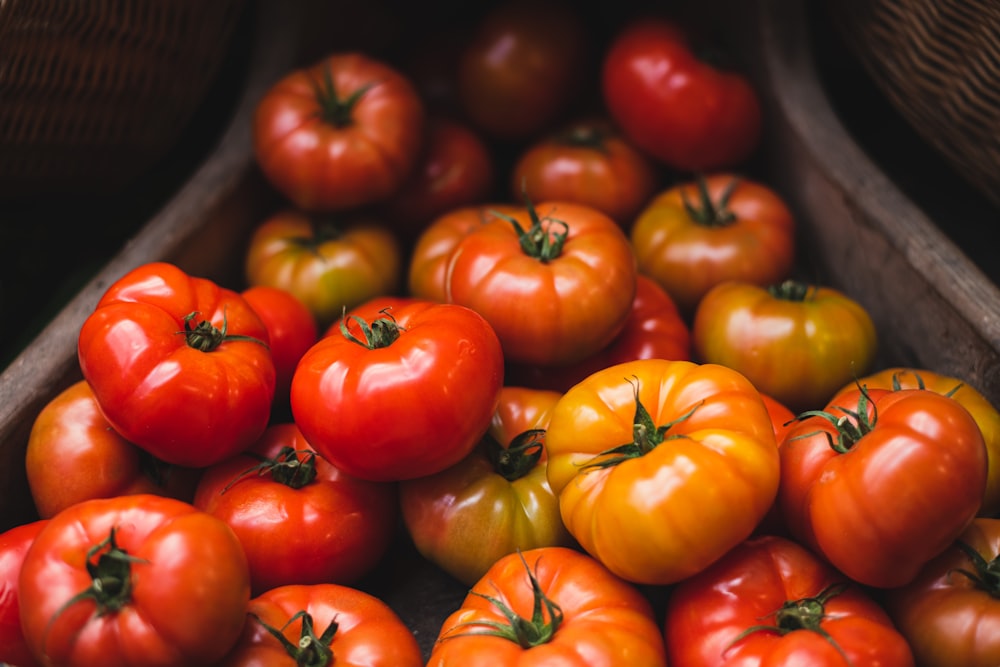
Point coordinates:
[[14, 543]]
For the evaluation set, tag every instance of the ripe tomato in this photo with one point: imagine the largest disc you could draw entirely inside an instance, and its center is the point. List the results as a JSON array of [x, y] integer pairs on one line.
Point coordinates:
[[179, 365], [404, 395], [343, 133], [73, 454], [797, 342], [299, 519], [137, 580], [697, 234], [550, 605], [329, 265], [684, 110], [323, 624], [14, 544], [662, 466], [950, 613], [882, 481], [587, 162], [769, 601], [495, 501]]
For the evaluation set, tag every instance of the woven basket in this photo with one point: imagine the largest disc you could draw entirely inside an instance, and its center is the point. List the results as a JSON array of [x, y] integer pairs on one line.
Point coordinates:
[[92, 92], [938, 64]]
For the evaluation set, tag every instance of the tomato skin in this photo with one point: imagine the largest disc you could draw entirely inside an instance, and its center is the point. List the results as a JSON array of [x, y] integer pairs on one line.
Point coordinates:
[[329, 265], [798, 343], [189, 585], [685, 112], [905, 488], [751, 237], [14, 544], [332, 530], [466, 517], [707, 613], [327, 163], [606, 621], [705, 487], [410, 408], [182, 405]]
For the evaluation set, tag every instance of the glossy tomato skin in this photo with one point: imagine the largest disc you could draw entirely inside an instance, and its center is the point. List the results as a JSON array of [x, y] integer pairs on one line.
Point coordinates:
[[343, 133], [687, 113], [176, 386], [189, 585], [708, 616], [908, 477], [14, 544], [950, 613], [405, 408], [328, 264], [605, 620], [704, 459], [798, 343], [331, 529], [494, 501], [742, 230]]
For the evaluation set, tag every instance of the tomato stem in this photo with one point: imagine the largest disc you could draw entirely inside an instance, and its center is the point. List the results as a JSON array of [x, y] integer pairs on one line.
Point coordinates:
[[285, 468], [517, 459], [540, 240], [310, 651], [709, 212], [792, 290], [986, 576], [332, 109], [382, 332], [851, 426], [584, 136], [205, 337]]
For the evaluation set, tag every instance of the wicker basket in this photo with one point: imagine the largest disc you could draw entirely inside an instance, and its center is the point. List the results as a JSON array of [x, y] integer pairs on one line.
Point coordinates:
[[92, 92], [938, 64]]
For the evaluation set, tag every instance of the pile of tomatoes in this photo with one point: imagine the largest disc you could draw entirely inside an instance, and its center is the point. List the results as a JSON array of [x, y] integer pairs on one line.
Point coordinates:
[[531, 313]]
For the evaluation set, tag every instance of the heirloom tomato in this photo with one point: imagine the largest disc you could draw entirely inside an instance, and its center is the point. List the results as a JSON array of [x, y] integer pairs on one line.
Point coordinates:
[[771, 602], [950, 612], [133, 580], [556, 280], [675, 103], [548, 606], [328, 264], [403, 395], [797, 342], [697, 234], [343, 133], [881, 481], [14, 544], [662, 466], [179, 365], [300, 519], [587, 162], [323, 624], [73, 454], [495, 501]]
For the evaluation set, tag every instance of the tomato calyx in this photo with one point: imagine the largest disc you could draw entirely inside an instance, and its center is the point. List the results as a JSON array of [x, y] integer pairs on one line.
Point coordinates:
[[205, 336], [310, 651], [584, 136], [851, 427], [986, 574], [285, 468], [540, 240], [333, 110], [382, 332], [708, 212], [517, 459], [792, 290]]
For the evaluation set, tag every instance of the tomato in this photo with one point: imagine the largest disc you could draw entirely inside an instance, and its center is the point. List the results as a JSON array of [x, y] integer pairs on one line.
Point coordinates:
[[14, 544], [673, 102], [547, 606], [697, 234], [404, 395], [556, 280], [299, 519], [587, 162], [323, 624], [770, 601], [882, 481], [340, 134], [795, 341], [522, 67], [179, 365], [950, 613], [137, 580], [662, 466], [495, 501], [73, 454], [326, 263], [654, 329], [782, 417]]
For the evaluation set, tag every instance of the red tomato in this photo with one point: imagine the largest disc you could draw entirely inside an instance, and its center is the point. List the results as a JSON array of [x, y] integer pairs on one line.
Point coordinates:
[[401, 396], [179, 365], [687, 112], [136, 580], [340, 134], [14, 544], [299, 518], [782, 417]]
